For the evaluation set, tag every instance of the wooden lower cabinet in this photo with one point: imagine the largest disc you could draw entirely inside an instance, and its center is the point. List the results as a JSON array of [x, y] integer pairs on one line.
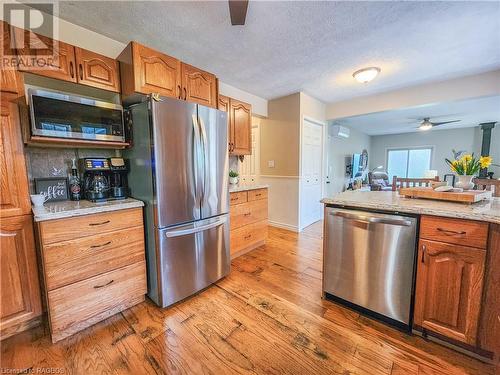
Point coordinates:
[[248, 217], [20, 306], [93, 267], [449, 289]]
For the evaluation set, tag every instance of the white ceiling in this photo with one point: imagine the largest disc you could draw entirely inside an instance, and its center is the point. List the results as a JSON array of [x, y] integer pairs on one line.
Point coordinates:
[[313, 46], [470, 112]]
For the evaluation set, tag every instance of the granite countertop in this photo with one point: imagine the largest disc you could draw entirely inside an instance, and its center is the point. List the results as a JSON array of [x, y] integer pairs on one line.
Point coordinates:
[[487, 210], [65, 209], [246, 187]]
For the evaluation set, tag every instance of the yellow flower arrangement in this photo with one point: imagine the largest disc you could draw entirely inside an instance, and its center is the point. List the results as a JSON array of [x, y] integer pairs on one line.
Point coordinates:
[[469, 165]]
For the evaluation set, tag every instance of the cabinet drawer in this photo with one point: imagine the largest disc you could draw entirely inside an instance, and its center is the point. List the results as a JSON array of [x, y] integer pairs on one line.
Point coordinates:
[[248, 236], [75, 306], [238, 197], [454, 231], [74, 260], [248, 213], [257, 194], [89, 225]]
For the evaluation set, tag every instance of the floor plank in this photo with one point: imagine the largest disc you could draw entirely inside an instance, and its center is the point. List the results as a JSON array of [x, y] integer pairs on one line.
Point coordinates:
[[266, 317]]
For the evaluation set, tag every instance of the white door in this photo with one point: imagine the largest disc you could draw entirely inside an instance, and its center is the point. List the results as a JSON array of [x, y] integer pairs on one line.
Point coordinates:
[[249, 168], [312, 167]]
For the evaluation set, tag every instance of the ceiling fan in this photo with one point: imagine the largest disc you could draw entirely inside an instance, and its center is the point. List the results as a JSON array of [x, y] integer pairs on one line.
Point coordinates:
[[238, 11], [426, 123]]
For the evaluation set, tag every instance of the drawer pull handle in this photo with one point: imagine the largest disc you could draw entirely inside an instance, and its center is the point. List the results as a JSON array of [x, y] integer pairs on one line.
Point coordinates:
[[423, 254], [258, 195], [247, 214], [451, 232], [96, 246], [101, 223], [102, 286], [248, 237]]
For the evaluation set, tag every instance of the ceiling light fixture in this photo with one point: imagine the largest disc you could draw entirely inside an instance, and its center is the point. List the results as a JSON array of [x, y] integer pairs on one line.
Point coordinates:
[[366, 75], [425, 125]]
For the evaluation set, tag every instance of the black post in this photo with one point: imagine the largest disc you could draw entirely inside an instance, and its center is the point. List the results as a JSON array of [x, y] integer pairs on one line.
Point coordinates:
[[485, 146]]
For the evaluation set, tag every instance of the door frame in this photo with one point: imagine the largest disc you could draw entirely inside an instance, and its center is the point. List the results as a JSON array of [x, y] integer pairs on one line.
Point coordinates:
[[322, 177]]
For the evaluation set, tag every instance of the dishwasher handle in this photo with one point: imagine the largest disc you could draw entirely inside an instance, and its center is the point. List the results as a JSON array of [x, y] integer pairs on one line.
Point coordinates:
[[371, 219]]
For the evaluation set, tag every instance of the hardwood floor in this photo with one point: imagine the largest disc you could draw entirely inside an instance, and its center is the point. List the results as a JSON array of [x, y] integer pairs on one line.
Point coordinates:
[[266, 317]]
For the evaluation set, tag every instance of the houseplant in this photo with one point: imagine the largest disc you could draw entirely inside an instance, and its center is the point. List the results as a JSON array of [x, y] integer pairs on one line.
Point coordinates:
[[466, 168], [233, 177]]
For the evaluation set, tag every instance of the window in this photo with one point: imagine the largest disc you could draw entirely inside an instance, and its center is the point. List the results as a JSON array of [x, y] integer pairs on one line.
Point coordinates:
[[410, 163]]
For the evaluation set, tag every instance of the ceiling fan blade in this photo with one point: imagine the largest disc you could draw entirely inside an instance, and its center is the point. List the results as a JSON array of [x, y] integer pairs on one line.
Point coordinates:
[[444, 122], [238, 11]]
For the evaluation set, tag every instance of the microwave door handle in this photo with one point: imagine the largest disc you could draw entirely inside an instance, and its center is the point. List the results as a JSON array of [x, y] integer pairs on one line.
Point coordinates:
[[371, 219], [205, 158]]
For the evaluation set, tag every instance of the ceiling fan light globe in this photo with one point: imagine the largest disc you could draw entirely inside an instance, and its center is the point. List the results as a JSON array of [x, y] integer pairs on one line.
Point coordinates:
[[366, 75], [425, 126]]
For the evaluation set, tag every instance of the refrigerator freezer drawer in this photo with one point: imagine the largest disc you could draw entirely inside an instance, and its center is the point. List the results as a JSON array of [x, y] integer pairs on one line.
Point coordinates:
[[192, 257]]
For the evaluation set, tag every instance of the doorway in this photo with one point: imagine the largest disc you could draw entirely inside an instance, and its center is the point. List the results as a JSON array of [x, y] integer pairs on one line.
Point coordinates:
[[311, 210]]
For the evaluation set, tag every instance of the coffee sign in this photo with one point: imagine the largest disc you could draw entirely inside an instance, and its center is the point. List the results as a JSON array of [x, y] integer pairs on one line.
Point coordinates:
[[55, 188]]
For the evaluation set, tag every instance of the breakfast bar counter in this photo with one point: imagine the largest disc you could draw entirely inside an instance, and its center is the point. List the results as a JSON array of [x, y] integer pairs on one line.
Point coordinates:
[[487, 210]]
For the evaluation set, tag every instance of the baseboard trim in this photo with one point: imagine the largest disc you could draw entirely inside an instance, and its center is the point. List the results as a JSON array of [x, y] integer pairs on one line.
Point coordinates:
[[277, 224]]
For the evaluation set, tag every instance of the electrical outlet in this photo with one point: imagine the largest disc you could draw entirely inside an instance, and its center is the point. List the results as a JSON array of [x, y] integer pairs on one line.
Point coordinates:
[[270, 163]]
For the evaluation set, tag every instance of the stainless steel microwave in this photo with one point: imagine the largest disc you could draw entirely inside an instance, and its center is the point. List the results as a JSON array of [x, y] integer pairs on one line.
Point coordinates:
[[61, 115]]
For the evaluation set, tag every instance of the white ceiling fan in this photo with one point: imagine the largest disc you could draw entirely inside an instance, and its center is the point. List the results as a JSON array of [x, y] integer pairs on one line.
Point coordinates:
[[427, 124]]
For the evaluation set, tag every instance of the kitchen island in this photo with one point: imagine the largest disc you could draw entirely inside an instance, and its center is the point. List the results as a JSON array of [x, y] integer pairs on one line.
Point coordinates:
[[454, 250]]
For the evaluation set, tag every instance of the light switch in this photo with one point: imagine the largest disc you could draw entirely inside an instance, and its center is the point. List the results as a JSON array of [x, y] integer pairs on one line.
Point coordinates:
[[270, 163]]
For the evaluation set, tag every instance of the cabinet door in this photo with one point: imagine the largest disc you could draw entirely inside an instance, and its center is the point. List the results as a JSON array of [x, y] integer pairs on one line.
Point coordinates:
[[58, 58], [199, 86], [155, 72], [14, 197], [449, 287], [20, 297], [97, 70], [10, 78], [241, 125]]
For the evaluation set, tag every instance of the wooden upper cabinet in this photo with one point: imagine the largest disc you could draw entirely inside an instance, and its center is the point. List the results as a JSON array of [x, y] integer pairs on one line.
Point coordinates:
[[223, 103], [10, 78], [20, 298], [58, 58], [198, 86], [146, 71], [449, 289], [97, 70], [14, 195], [240, 118]]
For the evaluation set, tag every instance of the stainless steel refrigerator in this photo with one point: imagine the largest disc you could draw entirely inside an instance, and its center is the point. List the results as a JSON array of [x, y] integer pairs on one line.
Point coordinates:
[[179, 168]]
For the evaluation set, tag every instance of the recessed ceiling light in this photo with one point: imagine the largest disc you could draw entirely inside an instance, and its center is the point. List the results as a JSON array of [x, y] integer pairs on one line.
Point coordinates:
[[366, 75]]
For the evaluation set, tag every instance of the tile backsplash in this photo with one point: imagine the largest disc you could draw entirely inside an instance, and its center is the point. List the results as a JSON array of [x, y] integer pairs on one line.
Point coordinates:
[[56, 162]]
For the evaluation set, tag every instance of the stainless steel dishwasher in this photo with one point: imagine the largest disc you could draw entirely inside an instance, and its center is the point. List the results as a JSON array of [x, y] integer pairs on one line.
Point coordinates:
[[369, 261]]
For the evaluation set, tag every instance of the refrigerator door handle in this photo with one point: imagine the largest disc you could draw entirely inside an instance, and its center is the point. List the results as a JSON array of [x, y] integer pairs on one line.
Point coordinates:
[[185, 232], [205, 158], [196, 156]]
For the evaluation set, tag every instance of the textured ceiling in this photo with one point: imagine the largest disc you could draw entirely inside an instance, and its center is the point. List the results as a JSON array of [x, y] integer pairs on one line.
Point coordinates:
[[470, 112], [311, 46]]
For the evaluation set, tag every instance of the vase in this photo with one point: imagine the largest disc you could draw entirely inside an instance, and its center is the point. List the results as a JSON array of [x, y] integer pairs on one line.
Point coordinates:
[[233, 180], [465, 182]]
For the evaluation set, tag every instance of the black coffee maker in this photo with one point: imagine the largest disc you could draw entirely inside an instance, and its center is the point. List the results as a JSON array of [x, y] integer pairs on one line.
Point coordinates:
[[118, 178], [104, 179]]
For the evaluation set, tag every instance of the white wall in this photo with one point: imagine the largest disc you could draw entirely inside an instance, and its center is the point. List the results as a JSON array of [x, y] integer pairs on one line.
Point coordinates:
[[337, 150], [442, 142]]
